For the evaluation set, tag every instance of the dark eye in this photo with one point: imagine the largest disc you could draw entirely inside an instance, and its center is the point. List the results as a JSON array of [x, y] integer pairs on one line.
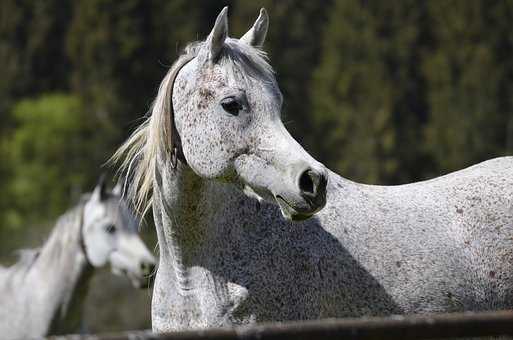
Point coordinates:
[[232, 106], [111, 229]]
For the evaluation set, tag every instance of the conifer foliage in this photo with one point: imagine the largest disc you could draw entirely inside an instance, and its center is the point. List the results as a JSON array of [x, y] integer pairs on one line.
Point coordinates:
[[382, 92]]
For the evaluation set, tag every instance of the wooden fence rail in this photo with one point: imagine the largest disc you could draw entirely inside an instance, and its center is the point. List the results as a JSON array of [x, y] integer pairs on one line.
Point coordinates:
[[438, 326]]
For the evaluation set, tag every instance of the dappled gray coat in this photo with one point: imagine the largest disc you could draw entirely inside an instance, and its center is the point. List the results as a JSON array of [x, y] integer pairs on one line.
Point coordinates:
[[237, 206]]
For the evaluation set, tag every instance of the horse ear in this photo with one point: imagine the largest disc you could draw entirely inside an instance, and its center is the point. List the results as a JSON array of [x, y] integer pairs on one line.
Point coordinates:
[[118, 189], [100, 191], [217, 36], [256, 35]]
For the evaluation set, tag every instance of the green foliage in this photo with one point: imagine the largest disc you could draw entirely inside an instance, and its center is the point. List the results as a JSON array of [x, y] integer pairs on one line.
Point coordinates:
[[52, 155], [353, 99], [382, 92], [103, 41], [469, 83], [411, 90], [119, 52], [31, 37]]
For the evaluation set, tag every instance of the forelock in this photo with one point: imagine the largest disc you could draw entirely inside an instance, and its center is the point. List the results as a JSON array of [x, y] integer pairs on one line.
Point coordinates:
[[250, 62], [118, 210]]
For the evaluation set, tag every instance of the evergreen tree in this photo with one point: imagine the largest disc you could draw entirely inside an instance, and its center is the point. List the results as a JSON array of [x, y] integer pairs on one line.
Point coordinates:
[[120, 53], [469, 83], [54, 155], [31, 49], [104, 42], [352, 96], [33, 60]]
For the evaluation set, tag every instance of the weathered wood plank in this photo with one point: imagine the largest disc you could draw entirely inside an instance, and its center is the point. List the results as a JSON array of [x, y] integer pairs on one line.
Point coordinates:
[[438, 326]]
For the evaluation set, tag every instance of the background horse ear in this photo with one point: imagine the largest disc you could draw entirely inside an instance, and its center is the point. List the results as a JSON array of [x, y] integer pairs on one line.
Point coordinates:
[[118, 189], [256, 35], [217, 36], [100, 191]]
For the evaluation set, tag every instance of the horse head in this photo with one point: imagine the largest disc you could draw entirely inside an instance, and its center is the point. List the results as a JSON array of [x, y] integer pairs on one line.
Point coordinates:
[[226, 109], [109, 234]]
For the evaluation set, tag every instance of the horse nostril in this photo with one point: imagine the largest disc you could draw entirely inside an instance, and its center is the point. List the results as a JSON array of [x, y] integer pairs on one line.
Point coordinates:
[[323, 183], [312, 184], [308, 181], [147, 268]]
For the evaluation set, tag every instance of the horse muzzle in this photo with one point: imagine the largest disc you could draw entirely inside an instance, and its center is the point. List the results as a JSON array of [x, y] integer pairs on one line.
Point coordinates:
[[299, 189], [310, 197], [138, 271]]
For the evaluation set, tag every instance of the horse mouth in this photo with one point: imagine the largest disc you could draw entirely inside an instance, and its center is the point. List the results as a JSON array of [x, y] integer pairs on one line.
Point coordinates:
[[142, 282], [289, 212], [138, 281]]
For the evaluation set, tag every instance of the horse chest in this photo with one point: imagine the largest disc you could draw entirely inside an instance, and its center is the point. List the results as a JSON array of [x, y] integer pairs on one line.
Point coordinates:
[[200, 300]]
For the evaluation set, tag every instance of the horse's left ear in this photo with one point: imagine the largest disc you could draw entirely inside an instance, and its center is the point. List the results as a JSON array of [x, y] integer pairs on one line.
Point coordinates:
[[100, 191], [216, 38], [256, 35], [118, 189]]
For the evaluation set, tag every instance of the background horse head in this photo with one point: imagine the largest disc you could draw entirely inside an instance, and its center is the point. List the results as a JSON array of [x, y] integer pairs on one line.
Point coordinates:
[[110, 236]]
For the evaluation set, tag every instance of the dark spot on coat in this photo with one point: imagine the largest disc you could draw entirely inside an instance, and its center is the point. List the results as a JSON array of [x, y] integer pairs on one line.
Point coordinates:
[[459, 211], [491, 274], [206, 93], [236, 256], [320, 271]]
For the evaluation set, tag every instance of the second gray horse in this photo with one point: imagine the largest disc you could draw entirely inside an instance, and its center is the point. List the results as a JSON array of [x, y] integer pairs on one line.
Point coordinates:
[[44, 292]]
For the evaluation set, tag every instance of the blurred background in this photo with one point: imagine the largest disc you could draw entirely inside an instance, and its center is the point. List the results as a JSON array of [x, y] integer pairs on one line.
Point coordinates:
[[382, 92]]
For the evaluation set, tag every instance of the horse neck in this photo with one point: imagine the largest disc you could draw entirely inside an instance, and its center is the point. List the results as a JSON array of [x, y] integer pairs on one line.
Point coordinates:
[[176, 208], [63, 268], [175, 204]]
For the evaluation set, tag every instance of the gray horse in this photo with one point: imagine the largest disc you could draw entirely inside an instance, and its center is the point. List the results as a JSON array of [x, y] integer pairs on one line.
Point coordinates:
[[44, 292], [225, 181]]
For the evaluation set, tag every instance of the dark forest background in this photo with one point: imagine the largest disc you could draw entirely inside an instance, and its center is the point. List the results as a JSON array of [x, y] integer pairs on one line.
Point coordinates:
[[383, 92]]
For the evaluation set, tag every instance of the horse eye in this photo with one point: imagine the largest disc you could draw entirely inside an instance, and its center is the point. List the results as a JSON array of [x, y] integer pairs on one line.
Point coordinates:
[[231, 106], [111, 228]]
